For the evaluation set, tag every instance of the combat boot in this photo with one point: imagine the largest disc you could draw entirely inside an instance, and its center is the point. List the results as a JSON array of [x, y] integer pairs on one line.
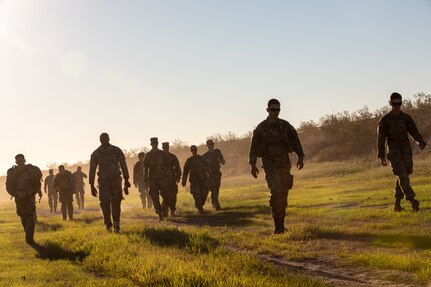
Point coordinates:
[[109, 227], [161, 217], [397, 206], [279, 225], [201, 210], [172, 213], [415, 205], [116, 227]]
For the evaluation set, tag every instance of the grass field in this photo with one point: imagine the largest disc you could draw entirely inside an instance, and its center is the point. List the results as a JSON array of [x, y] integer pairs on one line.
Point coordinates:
[[341, 231]]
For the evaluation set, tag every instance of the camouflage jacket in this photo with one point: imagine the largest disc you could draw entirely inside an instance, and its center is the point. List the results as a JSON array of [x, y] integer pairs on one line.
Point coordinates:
[[394, 129], [109, 160], [215, 158], [64, 182], [174, 169], [156, 165], [26, 181], [47, 186], [274, 141], [79, 178], [198, 168], [138, 174]]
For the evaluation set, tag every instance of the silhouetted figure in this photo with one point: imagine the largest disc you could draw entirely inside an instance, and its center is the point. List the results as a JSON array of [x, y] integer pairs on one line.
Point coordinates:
[[109, 159], [49, 189], [174, 177], [273, 140], [156, 176], [393, 130], [23, 181], [79, 186], [215, 160], [139, 182], [197, 167], [64, 184]]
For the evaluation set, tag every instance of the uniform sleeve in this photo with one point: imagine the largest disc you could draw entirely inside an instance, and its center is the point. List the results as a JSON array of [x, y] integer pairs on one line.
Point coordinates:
[[10, 182], [93, 166], [146, 167], [220, 157], [295, 142], [186, 171], [55, 184], [253, 147], [84, 175], [135, 173], [45, 184], [381, 138], [414, 132], [123, 164], [177, 169]]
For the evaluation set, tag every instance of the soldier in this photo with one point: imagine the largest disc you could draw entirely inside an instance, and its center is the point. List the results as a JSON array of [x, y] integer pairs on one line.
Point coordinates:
[[140, 184], [393, 130], [23, 181], [109, 159], [156, 176], [79, 186], [174, 172], [198, 168], [215, 159], [64, 184], [273, 140], [52, 194]]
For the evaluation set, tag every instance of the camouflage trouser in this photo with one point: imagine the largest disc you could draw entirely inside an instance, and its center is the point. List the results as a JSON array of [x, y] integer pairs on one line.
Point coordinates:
[[172, 191], [200, 191], [79, 194], [279, 181], [402, 167], [66, 200], [52, 200], [215, 189], [146, 200], [159, 188], [110, 196], [26, 210]]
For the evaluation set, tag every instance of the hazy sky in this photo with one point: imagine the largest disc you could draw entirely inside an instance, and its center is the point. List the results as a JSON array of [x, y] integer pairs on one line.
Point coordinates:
[[70, 70]]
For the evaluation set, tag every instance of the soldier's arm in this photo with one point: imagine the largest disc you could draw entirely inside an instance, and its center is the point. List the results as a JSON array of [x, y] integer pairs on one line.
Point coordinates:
[[381, 139], [414, 132], [135, 174], [253, 148], [177, 169], [221, 158], [186, 171], [10, 182], [84, 175], [296, 143], [45, 185], [122, 160], [93, 167], [146, 167]]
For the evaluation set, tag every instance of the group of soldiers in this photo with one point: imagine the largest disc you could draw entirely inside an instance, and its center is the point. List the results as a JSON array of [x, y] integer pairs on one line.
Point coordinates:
[[157, 173]]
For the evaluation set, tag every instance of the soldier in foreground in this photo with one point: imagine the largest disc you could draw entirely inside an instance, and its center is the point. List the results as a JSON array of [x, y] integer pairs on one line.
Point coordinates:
[[393, 130], [79, 186], [64, 184], [174, 177], [198, 168], [215, 159], [109, 159], [156, 176], [140, 184], [52, 194], [23, 181], [273, 140]]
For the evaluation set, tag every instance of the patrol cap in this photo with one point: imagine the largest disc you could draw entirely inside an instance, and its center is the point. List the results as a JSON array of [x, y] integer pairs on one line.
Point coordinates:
[[210, 142], [154, 140], [165, 144]]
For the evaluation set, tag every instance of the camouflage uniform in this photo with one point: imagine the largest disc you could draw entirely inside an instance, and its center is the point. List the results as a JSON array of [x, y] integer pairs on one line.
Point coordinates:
[[64, 184], [138, 179], [174, 175], [109, 160], [393, 129], [198, 168], [79, 187], [156, 175], [214, 158], [273, 142], [52, 194], [23, 185]]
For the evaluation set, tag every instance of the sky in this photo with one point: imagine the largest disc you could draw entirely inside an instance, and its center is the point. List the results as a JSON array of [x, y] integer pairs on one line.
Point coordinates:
[[72, 69]]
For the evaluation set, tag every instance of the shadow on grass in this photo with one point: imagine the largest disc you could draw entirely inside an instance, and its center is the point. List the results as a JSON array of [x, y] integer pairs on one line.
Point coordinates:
[[42, 226], [413, 241], [52, 251], [89, 220], [173, 237]]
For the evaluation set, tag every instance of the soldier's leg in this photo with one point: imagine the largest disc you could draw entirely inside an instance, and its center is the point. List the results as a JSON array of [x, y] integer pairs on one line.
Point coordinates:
[[277, 199], [70, 206], [174, 194], [149, 198], [204, 191], [63, 207], [116, 198], [166, 194], [55, 201], [398, 194], [78, 198], [105, 202], [82, 192], [195, 191], [154, 193], [215, 191], [286, 184], [20, 211], [30, 211], [143, 196], [50, 202]]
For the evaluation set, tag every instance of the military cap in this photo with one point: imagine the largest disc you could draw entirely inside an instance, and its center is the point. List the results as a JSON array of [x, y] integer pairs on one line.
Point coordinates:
[[165, 144], [154, 140]]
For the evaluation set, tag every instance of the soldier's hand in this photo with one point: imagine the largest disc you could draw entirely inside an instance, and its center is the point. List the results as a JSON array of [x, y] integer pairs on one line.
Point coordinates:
[[254, 171], [136, 185], [126, 190], [93, 190], [422, 146], [183, 184], [300, 163], [127, 183], [384, 162]]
